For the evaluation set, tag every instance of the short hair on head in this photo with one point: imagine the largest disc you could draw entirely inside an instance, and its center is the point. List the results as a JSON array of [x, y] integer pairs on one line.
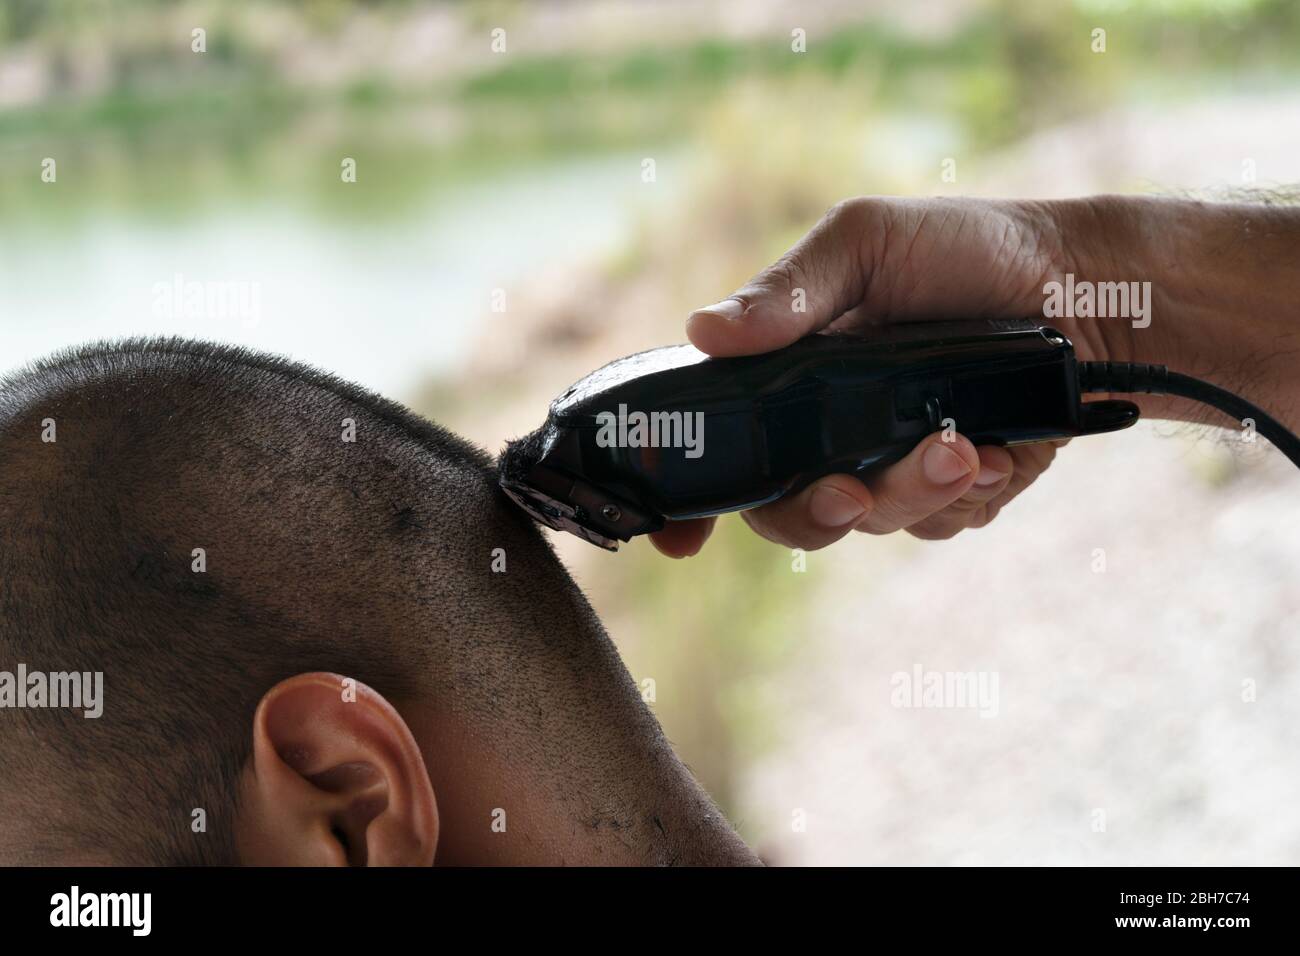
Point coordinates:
[[370, 558]]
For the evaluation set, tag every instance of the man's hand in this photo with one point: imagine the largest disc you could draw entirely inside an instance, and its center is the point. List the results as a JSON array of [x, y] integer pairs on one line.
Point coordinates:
[[870, 262]]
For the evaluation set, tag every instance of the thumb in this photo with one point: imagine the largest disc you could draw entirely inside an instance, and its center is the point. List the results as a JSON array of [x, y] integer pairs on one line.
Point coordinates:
[[816, 282]]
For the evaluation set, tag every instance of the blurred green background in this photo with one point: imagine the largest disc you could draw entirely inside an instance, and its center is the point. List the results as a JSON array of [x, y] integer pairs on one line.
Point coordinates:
[[515, 178]]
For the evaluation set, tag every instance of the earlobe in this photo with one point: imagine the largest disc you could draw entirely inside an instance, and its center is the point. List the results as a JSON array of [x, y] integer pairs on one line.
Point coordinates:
[[335, 779]]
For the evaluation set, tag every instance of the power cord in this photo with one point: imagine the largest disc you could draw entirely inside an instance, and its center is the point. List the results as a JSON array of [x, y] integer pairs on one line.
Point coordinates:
[[1138, 377]]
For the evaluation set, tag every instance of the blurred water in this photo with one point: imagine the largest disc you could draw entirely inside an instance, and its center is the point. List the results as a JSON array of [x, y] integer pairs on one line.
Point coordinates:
[[383, 305]]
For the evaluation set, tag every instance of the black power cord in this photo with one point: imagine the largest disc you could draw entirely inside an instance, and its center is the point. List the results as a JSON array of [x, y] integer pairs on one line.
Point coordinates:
[[1137, 377]]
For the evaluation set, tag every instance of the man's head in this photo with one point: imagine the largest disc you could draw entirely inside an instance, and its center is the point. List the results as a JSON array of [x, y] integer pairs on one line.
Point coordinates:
[[325, 636]]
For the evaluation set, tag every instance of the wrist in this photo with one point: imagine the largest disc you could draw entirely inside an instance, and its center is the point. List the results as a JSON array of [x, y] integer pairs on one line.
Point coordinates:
[[1224, 293]]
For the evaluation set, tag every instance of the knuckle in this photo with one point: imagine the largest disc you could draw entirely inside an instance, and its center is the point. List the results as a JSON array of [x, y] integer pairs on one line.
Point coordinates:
[[889, 514], [935, 530], [786, 273], [850, 213], [894, 515], [985, 515]]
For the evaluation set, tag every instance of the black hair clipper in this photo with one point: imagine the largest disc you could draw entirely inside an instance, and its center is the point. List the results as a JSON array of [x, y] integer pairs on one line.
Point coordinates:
[[672, 434]]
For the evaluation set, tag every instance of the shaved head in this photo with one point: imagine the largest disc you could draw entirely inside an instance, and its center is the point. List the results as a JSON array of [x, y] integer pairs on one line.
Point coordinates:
[[200, 522]]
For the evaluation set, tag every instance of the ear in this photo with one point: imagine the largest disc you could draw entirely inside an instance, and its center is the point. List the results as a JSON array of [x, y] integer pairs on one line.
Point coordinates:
[[335, 779]]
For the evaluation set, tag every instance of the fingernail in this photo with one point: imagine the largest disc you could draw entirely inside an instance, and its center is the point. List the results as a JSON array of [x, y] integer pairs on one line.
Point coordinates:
[[942, 465], [989, 476], [832, 508], [726, 309]]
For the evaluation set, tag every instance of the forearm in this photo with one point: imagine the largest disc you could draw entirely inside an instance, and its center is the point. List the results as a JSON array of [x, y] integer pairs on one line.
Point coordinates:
[[1225, 294]]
